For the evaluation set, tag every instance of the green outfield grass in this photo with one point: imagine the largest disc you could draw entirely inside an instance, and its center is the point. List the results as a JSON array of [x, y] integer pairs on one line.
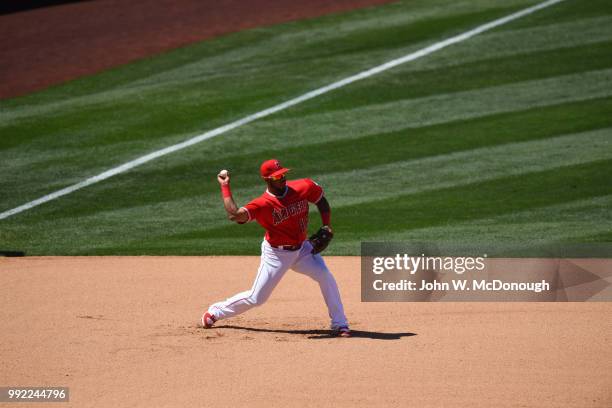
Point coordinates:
[[506, 137]]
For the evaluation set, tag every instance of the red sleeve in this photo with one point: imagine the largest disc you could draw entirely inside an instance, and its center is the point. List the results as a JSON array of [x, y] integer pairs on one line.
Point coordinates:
[[314, 191], [253, 209]]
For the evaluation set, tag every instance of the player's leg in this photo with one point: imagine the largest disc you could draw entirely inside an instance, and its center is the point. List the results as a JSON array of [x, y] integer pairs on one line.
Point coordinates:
[[314, 267], [272, 268]]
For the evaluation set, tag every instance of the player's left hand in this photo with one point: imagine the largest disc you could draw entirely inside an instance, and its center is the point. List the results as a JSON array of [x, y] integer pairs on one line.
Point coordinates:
[[321, 239]]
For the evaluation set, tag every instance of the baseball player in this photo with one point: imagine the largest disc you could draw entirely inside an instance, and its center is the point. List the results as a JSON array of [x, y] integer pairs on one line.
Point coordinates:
[[282, 210]]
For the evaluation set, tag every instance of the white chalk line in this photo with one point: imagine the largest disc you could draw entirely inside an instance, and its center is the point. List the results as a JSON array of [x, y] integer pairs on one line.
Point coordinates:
[[277, 108]]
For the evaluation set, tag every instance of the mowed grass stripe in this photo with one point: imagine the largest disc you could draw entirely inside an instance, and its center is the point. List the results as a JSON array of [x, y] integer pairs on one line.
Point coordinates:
[[396, 86], [500, 195], [460, 168], [586, 220], [509, 42], [499, 43], [170, 182], [203, 217], [412, 113], [407, 144], [568, 11], [398, 36], [406, 27]]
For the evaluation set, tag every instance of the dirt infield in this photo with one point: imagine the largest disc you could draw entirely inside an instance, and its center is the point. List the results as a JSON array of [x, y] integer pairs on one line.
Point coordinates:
[[42, 47], [122, 331]]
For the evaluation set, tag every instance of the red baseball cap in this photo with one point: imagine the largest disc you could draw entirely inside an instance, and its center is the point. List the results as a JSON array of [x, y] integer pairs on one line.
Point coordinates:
[[271, 168]]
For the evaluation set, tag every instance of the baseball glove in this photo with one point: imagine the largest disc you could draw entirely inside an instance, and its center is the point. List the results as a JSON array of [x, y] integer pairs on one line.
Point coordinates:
[[321, 239]]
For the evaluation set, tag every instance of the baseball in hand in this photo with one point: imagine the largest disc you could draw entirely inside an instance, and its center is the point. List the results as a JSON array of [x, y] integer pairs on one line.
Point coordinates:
[[223, 176]]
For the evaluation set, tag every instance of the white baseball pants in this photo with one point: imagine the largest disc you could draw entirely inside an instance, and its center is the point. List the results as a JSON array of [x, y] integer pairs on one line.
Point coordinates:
[[274, 263]]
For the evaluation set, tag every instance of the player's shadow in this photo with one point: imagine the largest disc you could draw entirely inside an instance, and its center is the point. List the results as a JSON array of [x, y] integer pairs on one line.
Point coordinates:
[[325, 334]]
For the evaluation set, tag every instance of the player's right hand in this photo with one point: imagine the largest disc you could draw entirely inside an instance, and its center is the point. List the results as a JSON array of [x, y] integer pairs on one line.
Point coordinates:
[[223, 177]]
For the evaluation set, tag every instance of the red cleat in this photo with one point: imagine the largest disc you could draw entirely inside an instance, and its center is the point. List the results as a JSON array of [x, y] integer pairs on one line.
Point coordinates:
[[208, 320]]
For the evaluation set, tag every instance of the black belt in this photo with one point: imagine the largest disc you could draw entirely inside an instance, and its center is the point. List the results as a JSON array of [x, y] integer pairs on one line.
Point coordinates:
[[287, 247]]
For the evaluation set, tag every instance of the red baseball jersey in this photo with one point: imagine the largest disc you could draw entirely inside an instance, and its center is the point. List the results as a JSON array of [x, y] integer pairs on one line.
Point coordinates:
[[285, 218]]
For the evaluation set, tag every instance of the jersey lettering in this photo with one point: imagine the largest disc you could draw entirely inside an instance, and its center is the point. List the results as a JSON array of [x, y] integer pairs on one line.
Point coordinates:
[[281, 214]]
